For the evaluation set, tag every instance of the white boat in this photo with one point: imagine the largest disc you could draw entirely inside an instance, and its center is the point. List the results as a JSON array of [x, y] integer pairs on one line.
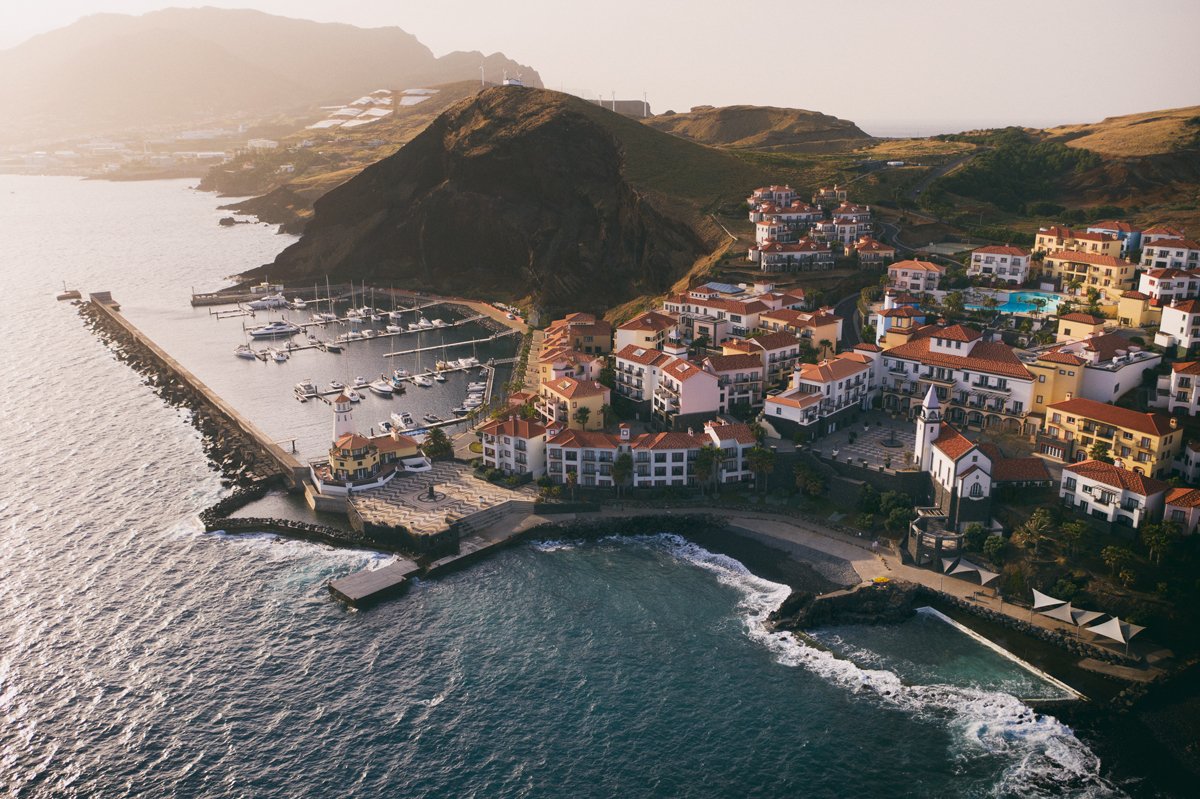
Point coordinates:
[[471, 402], [299, 304], [424, 323], [279, 356], [336, 385], [413, 326], [268, 302], [353, 395], [360, 382], [438, 323], [306, 388], [431, 417], [468, 362], [400, 373], [368, 333], [397, 383], [396, 316], [402, 421], [245, 351], [394, 329], [422, 381], [385, 426], [438, 376], [461, 410], [279, 329], [325, 316], [333, 346], [476, 385], [381, 387], [353, 335]]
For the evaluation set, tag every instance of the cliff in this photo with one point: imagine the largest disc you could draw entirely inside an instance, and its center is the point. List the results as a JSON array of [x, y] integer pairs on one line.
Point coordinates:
[[520, 192], [767, 128]]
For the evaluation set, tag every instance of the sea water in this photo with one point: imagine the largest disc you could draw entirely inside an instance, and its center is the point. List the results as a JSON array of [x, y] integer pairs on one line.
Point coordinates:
[[144, 657]]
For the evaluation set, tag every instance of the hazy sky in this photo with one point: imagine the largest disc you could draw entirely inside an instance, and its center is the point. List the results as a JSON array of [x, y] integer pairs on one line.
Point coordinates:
[[893, 66]]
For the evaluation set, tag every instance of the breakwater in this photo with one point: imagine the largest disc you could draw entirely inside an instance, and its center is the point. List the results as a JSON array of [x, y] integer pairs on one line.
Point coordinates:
[[237, 448]]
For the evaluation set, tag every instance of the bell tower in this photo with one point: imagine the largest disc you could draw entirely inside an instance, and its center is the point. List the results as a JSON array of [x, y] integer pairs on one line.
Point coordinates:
[[929, 424]]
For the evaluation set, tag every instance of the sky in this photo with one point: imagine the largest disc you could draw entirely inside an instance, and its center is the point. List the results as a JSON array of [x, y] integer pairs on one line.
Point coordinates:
[[893, 66]]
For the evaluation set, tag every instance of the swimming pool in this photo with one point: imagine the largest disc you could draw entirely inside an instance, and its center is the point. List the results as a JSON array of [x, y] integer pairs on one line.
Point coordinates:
[[1023, 302]]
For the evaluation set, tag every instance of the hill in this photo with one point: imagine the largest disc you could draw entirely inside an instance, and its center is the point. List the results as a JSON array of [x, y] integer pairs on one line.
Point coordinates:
[[524, 193], [1135, 135], [764, 128], [114, 73]]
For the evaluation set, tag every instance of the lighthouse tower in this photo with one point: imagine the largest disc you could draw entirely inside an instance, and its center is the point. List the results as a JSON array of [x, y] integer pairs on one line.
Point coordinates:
[[343, 422], [929, 424]]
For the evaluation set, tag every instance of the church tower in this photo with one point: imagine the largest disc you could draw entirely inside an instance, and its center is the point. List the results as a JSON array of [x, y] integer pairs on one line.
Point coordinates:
[[342, 421], [929, 423]]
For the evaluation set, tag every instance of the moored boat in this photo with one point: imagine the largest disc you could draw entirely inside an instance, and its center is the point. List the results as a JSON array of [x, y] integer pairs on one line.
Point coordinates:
[[381, 387], [277, 329], [306, 388], [245, 351]]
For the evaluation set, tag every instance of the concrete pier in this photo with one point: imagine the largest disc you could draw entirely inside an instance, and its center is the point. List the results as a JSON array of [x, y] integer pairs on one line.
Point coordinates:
[[366, 587]]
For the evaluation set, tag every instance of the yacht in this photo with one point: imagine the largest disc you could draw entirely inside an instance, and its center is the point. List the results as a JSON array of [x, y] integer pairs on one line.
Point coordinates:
[[422, 381], [440, 377], [306, 389], [396, 316], [381, 387], [360, 382], [353, 395], [394, 329], [431, 418], [397, 384], [472, 402], [461, 410], [333, 346], [353, 335], [468, 362], [325, 316], [279, 356], [438, 323], [406, 419], [336, 385], [385, 426], [413, 326], [400, 374], [368, 333], [245, 351], [268, 302], [424, 323], [299, 304], [280, 329], [475, 385]]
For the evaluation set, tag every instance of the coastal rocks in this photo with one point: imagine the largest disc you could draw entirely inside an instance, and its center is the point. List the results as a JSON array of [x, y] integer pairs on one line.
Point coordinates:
[[873, 603]]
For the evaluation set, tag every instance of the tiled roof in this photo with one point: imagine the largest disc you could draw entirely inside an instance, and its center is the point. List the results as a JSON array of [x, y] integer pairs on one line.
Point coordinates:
[[921, 266], [1003, 249], [1175, 244], [1169, 272], [1093, 258], [796, 399], [831, 369], [778, 340], [1155, 423], [578, 439], [394, 443], [650, 320], [959, 333], [1087, 235], [1117, 477], [668, 441], [1113, 224], [1054, 356], [1134, 295], [352, 441], [791, 318], [1079, 316], [741, 433], [902, 312], [731, 363], [1186, 368], [1105, 346], [868, 347], [1185, 306], [1013, 470], [517, 428], [571, 388], [952, 443], [804, 245], [682, 369], [992, 357], [1184, 497], [869, 244], [642, 355], [1163, 230]]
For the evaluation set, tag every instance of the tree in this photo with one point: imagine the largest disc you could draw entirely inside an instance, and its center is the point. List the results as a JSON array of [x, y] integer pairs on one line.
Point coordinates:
[[582, 415], [898, 519], [572, 482], [868, 499], [1158, 537], [706, 463], [437, 445], [990, 303], [891, 500], [1099, 452], [1072, 534], [1074, 284], [1116, 558], [528, 412], [868, 334], [993, 548], [762, 462], [975, 536], [622, 471], [808, 480], [608, 374], [1035, 530], [606, 413], [1093, 306], [826, 345], [953, 304], [1038, 304]]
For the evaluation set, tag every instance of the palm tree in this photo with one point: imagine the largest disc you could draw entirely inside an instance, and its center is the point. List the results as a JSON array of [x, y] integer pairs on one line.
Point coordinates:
[[762, 462], [606, 413], [572, 481], [1035, 530], [581, 416], [706, 463], [826, 345], [622, 470]]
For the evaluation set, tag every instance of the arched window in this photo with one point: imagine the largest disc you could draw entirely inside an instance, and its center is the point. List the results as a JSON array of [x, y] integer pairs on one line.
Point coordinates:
[[976, 490]]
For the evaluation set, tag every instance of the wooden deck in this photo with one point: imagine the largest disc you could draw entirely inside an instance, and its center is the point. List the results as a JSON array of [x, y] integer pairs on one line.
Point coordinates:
[[365, 587]]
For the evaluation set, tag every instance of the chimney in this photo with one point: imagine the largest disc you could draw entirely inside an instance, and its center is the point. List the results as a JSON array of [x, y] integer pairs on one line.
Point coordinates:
[[1174, 423], [624, 427]]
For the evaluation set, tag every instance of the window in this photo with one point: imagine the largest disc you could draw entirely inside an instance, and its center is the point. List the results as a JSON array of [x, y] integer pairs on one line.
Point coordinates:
[[976, 490], [1069, 484]]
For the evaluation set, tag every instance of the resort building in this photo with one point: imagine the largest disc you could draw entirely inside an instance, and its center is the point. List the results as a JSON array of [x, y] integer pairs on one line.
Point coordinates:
[[1146, 443], [582, 332], [797, 212], [803, 255], [1182, 508], [1075, 326], [1129, 236], [895, 306], [1058, 238], [1000, 262], [962, 474], [1135, 309], [1104, 491], [778, 353], [1166, 285], [1161, 233], [872, 252], [555, 363], [830, 196], [590, 455], [981, 383], [820, 395], [514, 446], [777, 195], [708, 312], [1107, 366], [915, 275], [1188, 462], [815, 326], [1180, 327], [1171, 254], [646, 330], [637, 371], [740, 380], [1106, 273], [359, 462], [686, 395], [1179, 389], [566, 402]]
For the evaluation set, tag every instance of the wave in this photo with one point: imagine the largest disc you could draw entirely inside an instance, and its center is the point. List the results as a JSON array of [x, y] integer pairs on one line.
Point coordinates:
[[1042, 755]]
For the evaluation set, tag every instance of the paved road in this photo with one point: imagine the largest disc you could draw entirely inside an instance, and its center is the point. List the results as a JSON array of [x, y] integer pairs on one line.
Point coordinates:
[[847, 308], [941, 171]]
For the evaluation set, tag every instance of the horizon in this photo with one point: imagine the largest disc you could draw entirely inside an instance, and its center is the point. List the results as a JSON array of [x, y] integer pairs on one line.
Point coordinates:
[[652, 42]]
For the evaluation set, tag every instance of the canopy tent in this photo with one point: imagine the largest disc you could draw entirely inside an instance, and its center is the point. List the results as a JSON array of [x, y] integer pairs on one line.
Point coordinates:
[[985, 576], [1041, 600], [1063, 613], [1116, 630], [947, 563], [1085, 617]]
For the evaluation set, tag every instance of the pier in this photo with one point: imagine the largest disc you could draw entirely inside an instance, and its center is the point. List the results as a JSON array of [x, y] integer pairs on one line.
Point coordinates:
[[372, 585]]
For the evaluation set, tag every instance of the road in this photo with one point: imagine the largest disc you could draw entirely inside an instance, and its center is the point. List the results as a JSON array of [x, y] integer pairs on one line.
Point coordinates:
[[941, 171], [847, 308]]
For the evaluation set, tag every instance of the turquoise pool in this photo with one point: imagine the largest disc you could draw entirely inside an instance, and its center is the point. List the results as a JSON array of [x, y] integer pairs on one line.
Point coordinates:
[[1023, 302]]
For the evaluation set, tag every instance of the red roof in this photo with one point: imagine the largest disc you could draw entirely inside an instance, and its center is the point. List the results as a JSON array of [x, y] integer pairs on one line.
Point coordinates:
[[669, 441], [650, 320], [1185, 306], [741, 433], [1156, 424], [868, 347], [958, 333], [1117, 477], [1163, 230], [1093, 258], [682, 369], [921, 266], [641, 355], [1184, 497], [1016, 470], [1086, 318], [571, 388], [993, 357], [1113, 224], [1054, 356], [517, 428], [578, 439], [1003, 249], [952, 443], [732, 363], [1135, 295], [352, 441], [1187, 368], [1175, 244]]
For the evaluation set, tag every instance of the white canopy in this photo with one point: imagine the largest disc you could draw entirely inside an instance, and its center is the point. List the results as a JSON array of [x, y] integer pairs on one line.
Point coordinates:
[[1117, 630], [1063, 613], [1085, 617], [985, 576], [947, 563], [1041, 600]]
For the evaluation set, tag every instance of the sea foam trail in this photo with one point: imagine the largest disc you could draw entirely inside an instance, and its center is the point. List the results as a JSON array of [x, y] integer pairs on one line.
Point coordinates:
[[1042, 755]]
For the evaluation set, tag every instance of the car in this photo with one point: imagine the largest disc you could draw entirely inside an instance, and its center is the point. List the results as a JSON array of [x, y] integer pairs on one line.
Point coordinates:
[[510, 316]]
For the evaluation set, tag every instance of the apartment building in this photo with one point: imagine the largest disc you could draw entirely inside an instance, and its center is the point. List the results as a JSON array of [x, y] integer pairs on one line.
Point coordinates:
[[514, 446], [1180, 327], [1104, 491], [1164, 286], [1000, 262], [819, 396], [814, 326], [647, 330], [915, 276], [1129, 235], [1179, 389], [740, 380], [1146, 443], [802, 255], [1171, 254], [1057, 238], [1106, 273], [560, 402], [582, 332], [871, 252], [778, 352]]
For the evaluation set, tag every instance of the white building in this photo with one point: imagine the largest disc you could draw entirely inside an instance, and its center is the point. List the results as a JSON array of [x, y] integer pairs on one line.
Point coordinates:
[[1171, 254], [740, 380], [779, 195], [1167, 285], [1105, 491], [961, 471], [818, 395], [805, 255], [685, 394], [915, 275], [1182, 508], [647, 330], [1000, 262], [1112, 364], [778, 352], [1180, 389], [515, 446], [1180, 326]]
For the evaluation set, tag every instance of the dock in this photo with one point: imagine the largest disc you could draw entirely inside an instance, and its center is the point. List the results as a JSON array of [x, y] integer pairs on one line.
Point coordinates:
[[366, 587]]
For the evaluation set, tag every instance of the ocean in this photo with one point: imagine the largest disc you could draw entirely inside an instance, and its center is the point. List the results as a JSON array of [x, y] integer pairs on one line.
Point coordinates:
[[145, 657]]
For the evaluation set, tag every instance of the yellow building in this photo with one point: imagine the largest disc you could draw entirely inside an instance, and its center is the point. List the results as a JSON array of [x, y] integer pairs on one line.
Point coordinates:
[[1057, 376], [1135, 309], [1077, 326], [1107, 274], [1146, 443], [1056, 237], [560, 401], [582, 332]]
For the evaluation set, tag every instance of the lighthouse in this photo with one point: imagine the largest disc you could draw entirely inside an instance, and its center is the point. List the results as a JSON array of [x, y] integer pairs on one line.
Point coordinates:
[[343, 421], [929, 424]]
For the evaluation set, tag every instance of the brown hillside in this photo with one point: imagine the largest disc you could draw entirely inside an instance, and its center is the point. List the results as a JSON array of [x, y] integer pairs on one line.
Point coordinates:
[[763, 128], [1135, 135]]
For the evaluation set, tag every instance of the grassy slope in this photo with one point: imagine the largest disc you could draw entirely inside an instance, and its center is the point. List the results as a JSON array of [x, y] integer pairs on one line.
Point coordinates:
[[1151, 133], [763, 128]]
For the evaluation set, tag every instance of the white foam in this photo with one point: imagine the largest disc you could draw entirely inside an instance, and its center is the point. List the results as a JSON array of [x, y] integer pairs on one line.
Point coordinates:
[[1045, 758]]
